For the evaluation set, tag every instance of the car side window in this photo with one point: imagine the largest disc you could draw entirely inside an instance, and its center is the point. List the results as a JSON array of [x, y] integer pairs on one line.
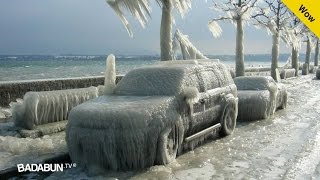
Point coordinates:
[[194, 80], [210, 80]]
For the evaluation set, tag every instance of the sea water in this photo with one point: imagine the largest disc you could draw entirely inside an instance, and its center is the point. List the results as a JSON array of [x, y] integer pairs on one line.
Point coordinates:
[[27, 67]]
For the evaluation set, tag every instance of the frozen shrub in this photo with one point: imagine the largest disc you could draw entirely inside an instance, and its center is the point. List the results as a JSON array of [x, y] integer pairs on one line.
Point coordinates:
[[49, 106]]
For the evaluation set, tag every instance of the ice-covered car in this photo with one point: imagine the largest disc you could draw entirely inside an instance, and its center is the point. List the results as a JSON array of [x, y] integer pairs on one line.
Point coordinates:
[[259, 97], [153, 112]]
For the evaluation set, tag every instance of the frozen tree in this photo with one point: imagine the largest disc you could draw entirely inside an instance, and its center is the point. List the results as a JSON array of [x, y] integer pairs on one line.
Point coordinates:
[[309, 38], [140, 9], [276, 20], [298, 29], [316, 54], [239, 12], [308, 54], [188, 50]]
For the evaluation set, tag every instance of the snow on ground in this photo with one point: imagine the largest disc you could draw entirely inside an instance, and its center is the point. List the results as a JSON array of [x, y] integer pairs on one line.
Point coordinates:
[[15, 150], [285, 146]]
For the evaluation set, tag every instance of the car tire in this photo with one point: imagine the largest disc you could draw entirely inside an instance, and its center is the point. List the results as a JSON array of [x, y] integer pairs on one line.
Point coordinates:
[[167, 146], [229, 117]]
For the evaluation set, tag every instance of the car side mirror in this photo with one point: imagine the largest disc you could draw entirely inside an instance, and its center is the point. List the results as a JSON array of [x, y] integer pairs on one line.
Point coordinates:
[[191, 95]]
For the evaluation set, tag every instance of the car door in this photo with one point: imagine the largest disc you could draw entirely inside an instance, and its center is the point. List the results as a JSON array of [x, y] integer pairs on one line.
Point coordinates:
[[194, 117], [207, 111], [213, 100]]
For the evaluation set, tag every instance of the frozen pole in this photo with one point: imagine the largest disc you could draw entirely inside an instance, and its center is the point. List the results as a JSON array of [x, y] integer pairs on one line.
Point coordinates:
[[110, 75]]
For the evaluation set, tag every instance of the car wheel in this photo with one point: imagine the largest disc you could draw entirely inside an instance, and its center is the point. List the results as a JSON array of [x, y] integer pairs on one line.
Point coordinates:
[[167, 146], [228, 119]]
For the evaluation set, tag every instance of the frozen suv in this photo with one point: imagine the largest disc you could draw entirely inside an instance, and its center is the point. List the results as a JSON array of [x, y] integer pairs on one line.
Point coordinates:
[[153, 114]]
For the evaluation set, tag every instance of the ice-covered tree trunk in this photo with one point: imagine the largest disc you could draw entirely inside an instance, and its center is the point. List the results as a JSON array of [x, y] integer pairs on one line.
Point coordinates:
[[275, 54], [239, 49], [305, 67], [316, 54], [308, 52], [295, 60], [165, 31]]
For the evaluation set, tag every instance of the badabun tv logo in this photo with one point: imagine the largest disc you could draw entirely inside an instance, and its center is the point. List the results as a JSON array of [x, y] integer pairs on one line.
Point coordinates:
[[44, 167]]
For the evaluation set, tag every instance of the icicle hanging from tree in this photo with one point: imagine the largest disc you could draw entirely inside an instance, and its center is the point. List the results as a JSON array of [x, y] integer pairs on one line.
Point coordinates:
[[215, 29], [188, 50], [141, 10]]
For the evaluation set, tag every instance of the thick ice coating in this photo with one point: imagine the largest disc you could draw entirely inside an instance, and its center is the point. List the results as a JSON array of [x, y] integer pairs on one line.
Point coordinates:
[[259, 97], [254, 82], [49, 106], [149, 112], [110, 75], [253, 105], [287, 73], [16, 145]]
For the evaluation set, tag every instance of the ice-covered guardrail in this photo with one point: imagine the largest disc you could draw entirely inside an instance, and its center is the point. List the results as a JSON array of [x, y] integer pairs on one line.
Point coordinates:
[[12, 90]]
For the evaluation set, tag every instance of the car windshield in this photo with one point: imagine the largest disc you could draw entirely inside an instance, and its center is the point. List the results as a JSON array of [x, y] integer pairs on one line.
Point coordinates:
[[151, 81]]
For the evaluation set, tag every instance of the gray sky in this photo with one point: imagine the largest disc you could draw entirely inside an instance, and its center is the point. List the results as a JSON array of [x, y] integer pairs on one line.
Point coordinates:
[[91, 27]]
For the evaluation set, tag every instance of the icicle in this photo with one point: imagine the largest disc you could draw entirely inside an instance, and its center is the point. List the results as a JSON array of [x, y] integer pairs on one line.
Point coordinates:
[[140, 9], [215, 28], [110, 75], [187, 48], [182, 6]]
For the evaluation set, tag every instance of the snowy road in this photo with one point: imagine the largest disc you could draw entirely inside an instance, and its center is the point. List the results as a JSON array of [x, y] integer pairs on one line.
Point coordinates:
[[286, 146]]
